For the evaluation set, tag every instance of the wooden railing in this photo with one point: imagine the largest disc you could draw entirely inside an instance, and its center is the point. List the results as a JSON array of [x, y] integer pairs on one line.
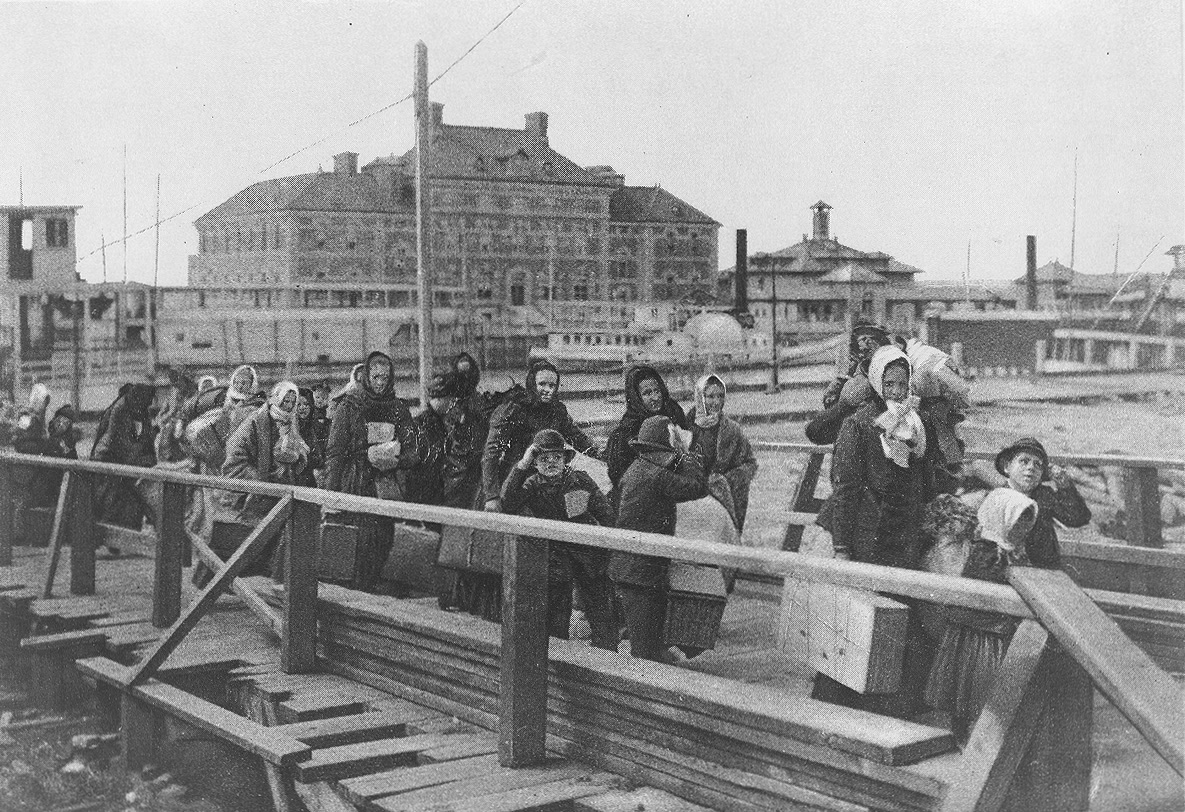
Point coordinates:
[[1149, 698]]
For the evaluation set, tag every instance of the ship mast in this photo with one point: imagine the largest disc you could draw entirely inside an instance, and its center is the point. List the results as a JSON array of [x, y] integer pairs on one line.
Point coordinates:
[[423, 219]]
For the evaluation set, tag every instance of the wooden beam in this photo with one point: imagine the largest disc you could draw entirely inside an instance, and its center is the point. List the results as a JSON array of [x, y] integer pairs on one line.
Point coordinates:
[[1005, 727], [250, 597], [137, 732], [170, 534], [6, 514], [298, 644], [804, 500], [82, 534], [263, 533], [57, 535], [1146, 695], [1141, 501], [522, 700]]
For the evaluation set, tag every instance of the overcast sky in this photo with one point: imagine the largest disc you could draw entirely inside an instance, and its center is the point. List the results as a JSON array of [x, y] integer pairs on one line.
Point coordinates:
[[924, 123]]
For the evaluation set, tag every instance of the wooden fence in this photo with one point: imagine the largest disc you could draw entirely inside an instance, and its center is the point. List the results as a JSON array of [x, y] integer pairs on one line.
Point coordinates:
[[1047, 602]]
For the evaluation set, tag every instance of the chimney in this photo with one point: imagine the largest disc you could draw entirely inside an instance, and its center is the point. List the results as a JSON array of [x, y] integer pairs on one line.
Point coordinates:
[[608, 174], [437, 120], [536, 128], [822, 221], [345, 163], [1177, 252], [1031, 274], [740, 276]]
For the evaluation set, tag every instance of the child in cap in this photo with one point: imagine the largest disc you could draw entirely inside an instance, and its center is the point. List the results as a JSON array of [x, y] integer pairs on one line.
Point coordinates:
[[1025, 465], [974, 642], [544, 482]]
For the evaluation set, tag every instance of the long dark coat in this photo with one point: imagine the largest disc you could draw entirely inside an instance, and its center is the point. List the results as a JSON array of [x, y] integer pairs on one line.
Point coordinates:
[[618, 451], [1066, 506], [124, 436], [650, 490], [874, 512], [347, 468], [249, 456]]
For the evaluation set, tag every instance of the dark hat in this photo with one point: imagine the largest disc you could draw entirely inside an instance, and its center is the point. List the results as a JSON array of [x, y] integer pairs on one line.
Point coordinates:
[[443, 385], [67, 412], [1030, 444], [552, 440], [654, 434]]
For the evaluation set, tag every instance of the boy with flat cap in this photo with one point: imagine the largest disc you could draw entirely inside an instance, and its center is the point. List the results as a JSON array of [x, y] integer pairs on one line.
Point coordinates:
[[1025, 465]]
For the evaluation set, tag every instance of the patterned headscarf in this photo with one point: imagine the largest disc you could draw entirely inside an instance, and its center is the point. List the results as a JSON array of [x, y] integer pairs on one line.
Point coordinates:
[[904, 433]]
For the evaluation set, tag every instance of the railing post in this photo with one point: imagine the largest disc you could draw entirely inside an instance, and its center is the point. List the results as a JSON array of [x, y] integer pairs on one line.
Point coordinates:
[[804, 500], [298, 645], [6, 514], [1141, 501], [522, 700], [82, 533], [170, 538]]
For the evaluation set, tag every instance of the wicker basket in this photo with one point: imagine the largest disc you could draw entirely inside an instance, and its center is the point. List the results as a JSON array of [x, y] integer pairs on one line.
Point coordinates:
[[692, 619]]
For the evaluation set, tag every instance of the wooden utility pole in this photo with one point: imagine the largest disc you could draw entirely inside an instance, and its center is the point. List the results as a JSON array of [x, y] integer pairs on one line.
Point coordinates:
[[155, 282], [125, 214], [423, 219], [774, 383]]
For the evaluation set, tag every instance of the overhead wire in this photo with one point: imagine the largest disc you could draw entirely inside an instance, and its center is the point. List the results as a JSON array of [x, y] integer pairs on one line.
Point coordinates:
[[331, 135]]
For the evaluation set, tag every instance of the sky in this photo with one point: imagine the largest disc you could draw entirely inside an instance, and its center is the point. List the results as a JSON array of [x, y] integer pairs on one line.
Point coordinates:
[[929, 125]]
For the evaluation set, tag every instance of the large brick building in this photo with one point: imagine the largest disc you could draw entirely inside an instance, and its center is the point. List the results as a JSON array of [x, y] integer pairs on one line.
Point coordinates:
[[515, 224]]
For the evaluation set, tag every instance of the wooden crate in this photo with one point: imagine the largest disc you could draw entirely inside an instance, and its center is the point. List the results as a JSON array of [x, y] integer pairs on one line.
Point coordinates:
[[696, 598], [853, 636]]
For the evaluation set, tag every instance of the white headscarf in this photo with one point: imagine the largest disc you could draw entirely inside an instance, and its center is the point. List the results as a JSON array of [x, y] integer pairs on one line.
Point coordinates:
[[904, 434], [206, 382], [702, 418], [237, 395], [999, 512], [276, 399]]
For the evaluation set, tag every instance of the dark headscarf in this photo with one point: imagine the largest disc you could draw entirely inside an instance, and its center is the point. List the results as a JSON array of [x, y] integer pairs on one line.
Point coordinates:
[[636, 411], [857, 359], [466, 381], [533, 370], [445, 385], [305, 425], [137, 397], [366, 387]]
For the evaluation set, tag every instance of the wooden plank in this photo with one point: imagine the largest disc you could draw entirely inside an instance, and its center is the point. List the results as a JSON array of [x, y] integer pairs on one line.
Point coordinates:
[[298, 644], [1122, 553], [804, 501], [646, 799], [57, 535], [6, 514], [349, 760], [259, 538], [1004, 729], [408, 779], [322, 797], [480, 746], [46, 642], [1146, 695], [460, 792], [522, 704], [274, 747], [541, 797], [82, 535], [166, 584], [340, 730], [322, 704], [250, 597], [1141, 501], [137, 732]]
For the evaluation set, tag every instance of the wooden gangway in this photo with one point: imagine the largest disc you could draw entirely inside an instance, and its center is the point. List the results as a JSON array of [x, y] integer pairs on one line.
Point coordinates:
[[720, 744]]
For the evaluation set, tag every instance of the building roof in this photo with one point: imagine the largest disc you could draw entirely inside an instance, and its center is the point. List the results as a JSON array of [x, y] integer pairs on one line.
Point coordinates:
[[317, 191], [852, 274], [652, 204], [496, 153], [1083, 283]]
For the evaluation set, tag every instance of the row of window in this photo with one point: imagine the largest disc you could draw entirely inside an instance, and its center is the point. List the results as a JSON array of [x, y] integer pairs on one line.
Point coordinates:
[[471, 200], [590, 340]]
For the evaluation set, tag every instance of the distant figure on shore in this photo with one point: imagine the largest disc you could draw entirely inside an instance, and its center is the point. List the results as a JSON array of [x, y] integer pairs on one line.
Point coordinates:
[[125, 436], [1026, 466], [846, 394], [974, 642]]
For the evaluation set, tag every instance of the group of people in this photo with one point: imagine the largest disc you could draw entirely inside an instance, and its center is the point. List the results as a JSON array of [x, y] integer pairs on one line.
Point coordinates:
[[892, 418], [894, 472]]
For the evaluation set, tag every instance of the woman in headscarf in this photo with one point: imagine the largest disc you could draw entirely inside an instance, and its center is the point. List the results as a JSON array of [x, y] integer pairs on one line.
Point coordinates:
[[847, 393], [468, 375], [974, 643], [426, 480], [267, 447], [646, 395], [372, 444], [728, 458], [124, 436], [882, 476], [513, 425]]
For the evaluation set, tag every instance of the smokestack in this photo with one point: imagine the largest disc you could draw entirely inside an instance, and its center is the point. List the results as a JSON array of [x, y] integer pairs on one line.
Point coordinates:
[[1031, 274], [822, 221], [740, 276], [345, 163]]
